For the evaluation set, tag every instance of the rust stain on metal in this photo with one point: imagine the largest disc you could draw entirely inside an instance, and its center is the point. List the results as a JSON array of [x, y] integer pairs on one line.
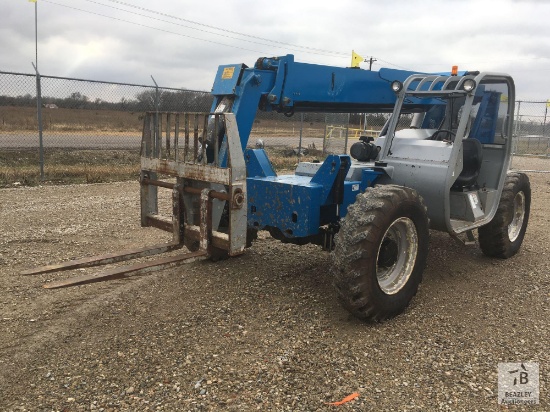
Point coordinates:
[[104, 259], [122, 272], [195, 136], [205, 218], [186, 136], [213, 194], [187, 170], [160, 223], [159, 183], [238, 199], [219, 240]]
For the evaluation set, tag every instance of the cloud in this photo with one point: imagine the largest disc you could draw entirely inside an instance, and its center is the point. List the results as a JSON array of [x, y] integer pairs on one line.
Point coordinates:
[[422, 35]]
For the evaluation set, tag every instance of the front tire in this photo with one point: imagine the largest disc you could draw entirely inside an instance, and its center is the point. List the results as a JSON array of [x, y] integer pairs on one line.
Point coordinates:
[[381, 251], [503, 236]]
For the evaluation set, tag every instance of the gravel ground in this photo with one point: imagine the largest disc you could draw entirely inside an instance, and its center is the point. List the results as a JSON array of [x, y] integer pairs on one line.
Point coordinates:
[[259, 332]]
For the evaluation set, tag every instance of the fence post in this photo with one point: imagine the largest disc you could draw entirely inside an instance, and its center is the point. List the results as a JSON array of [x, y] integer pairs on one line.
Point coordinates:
[[301, 130], [518, 118], [347, 133], [325, 137], [544, 124], [39, 117], [544, 129], [157, 137]]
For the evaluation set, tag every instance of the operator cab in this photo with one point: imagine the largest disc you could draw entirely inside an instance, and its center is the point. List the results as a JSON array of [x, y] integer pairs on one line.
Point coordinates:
[[449, 138]]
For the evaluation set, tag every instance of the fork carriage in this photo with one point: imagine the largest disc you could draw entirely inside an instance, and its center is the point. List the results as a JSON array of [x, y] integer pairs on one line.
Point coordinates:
[[202, 187], [208, 196]]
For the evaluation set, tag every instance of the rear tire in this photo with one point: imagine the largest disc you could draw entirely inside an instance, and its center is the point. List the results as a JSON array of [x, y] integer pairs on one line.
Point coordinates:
[[503, 236], [381, 252]]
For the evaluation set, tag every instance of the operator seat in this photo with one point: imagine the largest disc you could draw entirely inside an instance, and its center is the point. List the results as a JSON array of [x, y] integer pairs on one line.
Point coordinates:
[[472, 153]]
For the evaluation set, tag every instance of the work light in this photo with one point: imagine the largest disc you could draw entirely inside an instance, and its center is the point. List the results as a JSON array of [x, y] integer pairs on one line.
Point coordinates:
[[469, 85], [396, 86]]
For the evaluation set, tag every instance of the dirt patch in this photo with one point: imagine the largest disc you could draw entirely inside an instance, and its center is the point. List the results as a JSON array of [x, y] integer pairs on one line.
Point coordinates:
[[260, 332]]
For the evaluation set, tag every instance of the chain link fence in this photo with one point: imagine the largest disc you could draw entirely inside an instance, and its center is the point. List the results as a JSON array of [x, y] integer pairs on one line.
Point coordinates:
[[82, 113], [91, 130], [532, 133], [531, 137], [327, 133]]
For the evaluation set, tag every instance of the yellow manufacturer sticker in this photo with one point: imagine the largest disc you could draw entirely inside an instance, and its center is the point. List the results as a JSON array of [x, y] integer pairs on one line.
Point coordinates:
[[228, 73]]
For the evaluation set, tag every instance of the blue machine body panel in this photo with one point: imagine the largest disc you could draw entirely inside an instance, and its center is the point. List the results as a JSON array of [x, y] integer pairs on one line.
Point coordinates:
[[294, 204], [369, 177], [258, 164], [290, 203], [351, 189], [299, 205], [227, 78]]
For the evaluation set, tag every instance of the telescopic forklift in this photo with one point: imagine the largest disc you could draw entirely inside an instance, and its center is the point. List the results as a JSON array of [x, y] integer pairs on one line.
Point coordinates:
[[440, 162]]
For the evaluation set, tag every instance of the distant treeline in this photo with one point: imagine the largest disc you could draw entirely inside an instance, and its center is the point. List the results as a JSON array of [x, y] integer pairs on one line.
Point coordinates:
[[165, 100], [176, 101]]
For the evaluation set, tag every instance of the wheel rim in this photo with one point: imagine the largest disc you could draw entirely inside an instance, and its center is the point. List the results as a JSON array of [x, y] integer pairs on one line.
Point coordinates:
[[397, 255], [514, 228]]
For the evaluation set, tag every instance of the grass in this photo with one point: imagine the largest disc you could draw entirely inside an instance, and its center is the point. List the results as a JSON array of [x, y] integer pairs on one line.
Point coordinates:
[[67, 120], [63, 166], [283, 159], [21, 167]]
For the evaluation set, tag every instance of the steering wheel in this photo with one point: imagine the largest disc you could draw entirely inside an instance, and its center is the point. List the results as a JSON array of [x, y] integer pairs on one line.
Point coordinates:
[[448, 132]]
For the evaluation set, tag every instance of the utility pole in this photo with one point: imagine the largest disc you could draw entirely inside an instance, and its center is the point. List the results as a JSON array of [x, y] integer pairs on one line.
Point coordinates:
[[36, 34], [38, 92], [371, 61]]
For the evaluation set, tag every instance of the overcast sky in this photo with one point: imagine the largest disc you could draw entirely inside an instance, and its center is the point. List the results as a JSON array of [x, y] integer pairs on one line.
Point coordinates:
[[182, 42]]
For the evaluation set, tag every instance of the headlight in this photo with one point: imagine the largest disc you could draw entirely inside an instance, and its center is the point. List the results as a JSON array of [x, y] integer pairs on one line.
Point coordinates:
[[469, 85], [396, 86]]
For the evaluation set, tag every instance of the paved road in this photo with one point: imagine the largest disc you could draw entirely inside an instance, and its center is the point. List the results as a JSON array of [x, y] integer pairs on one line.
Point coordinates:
[[70, 140], [122, 141]]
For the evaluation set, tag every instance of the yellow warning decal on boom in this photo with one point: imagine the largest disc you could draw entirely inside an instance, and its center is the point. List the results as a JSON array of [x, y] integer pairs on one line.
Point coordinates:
[[228, 73]]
